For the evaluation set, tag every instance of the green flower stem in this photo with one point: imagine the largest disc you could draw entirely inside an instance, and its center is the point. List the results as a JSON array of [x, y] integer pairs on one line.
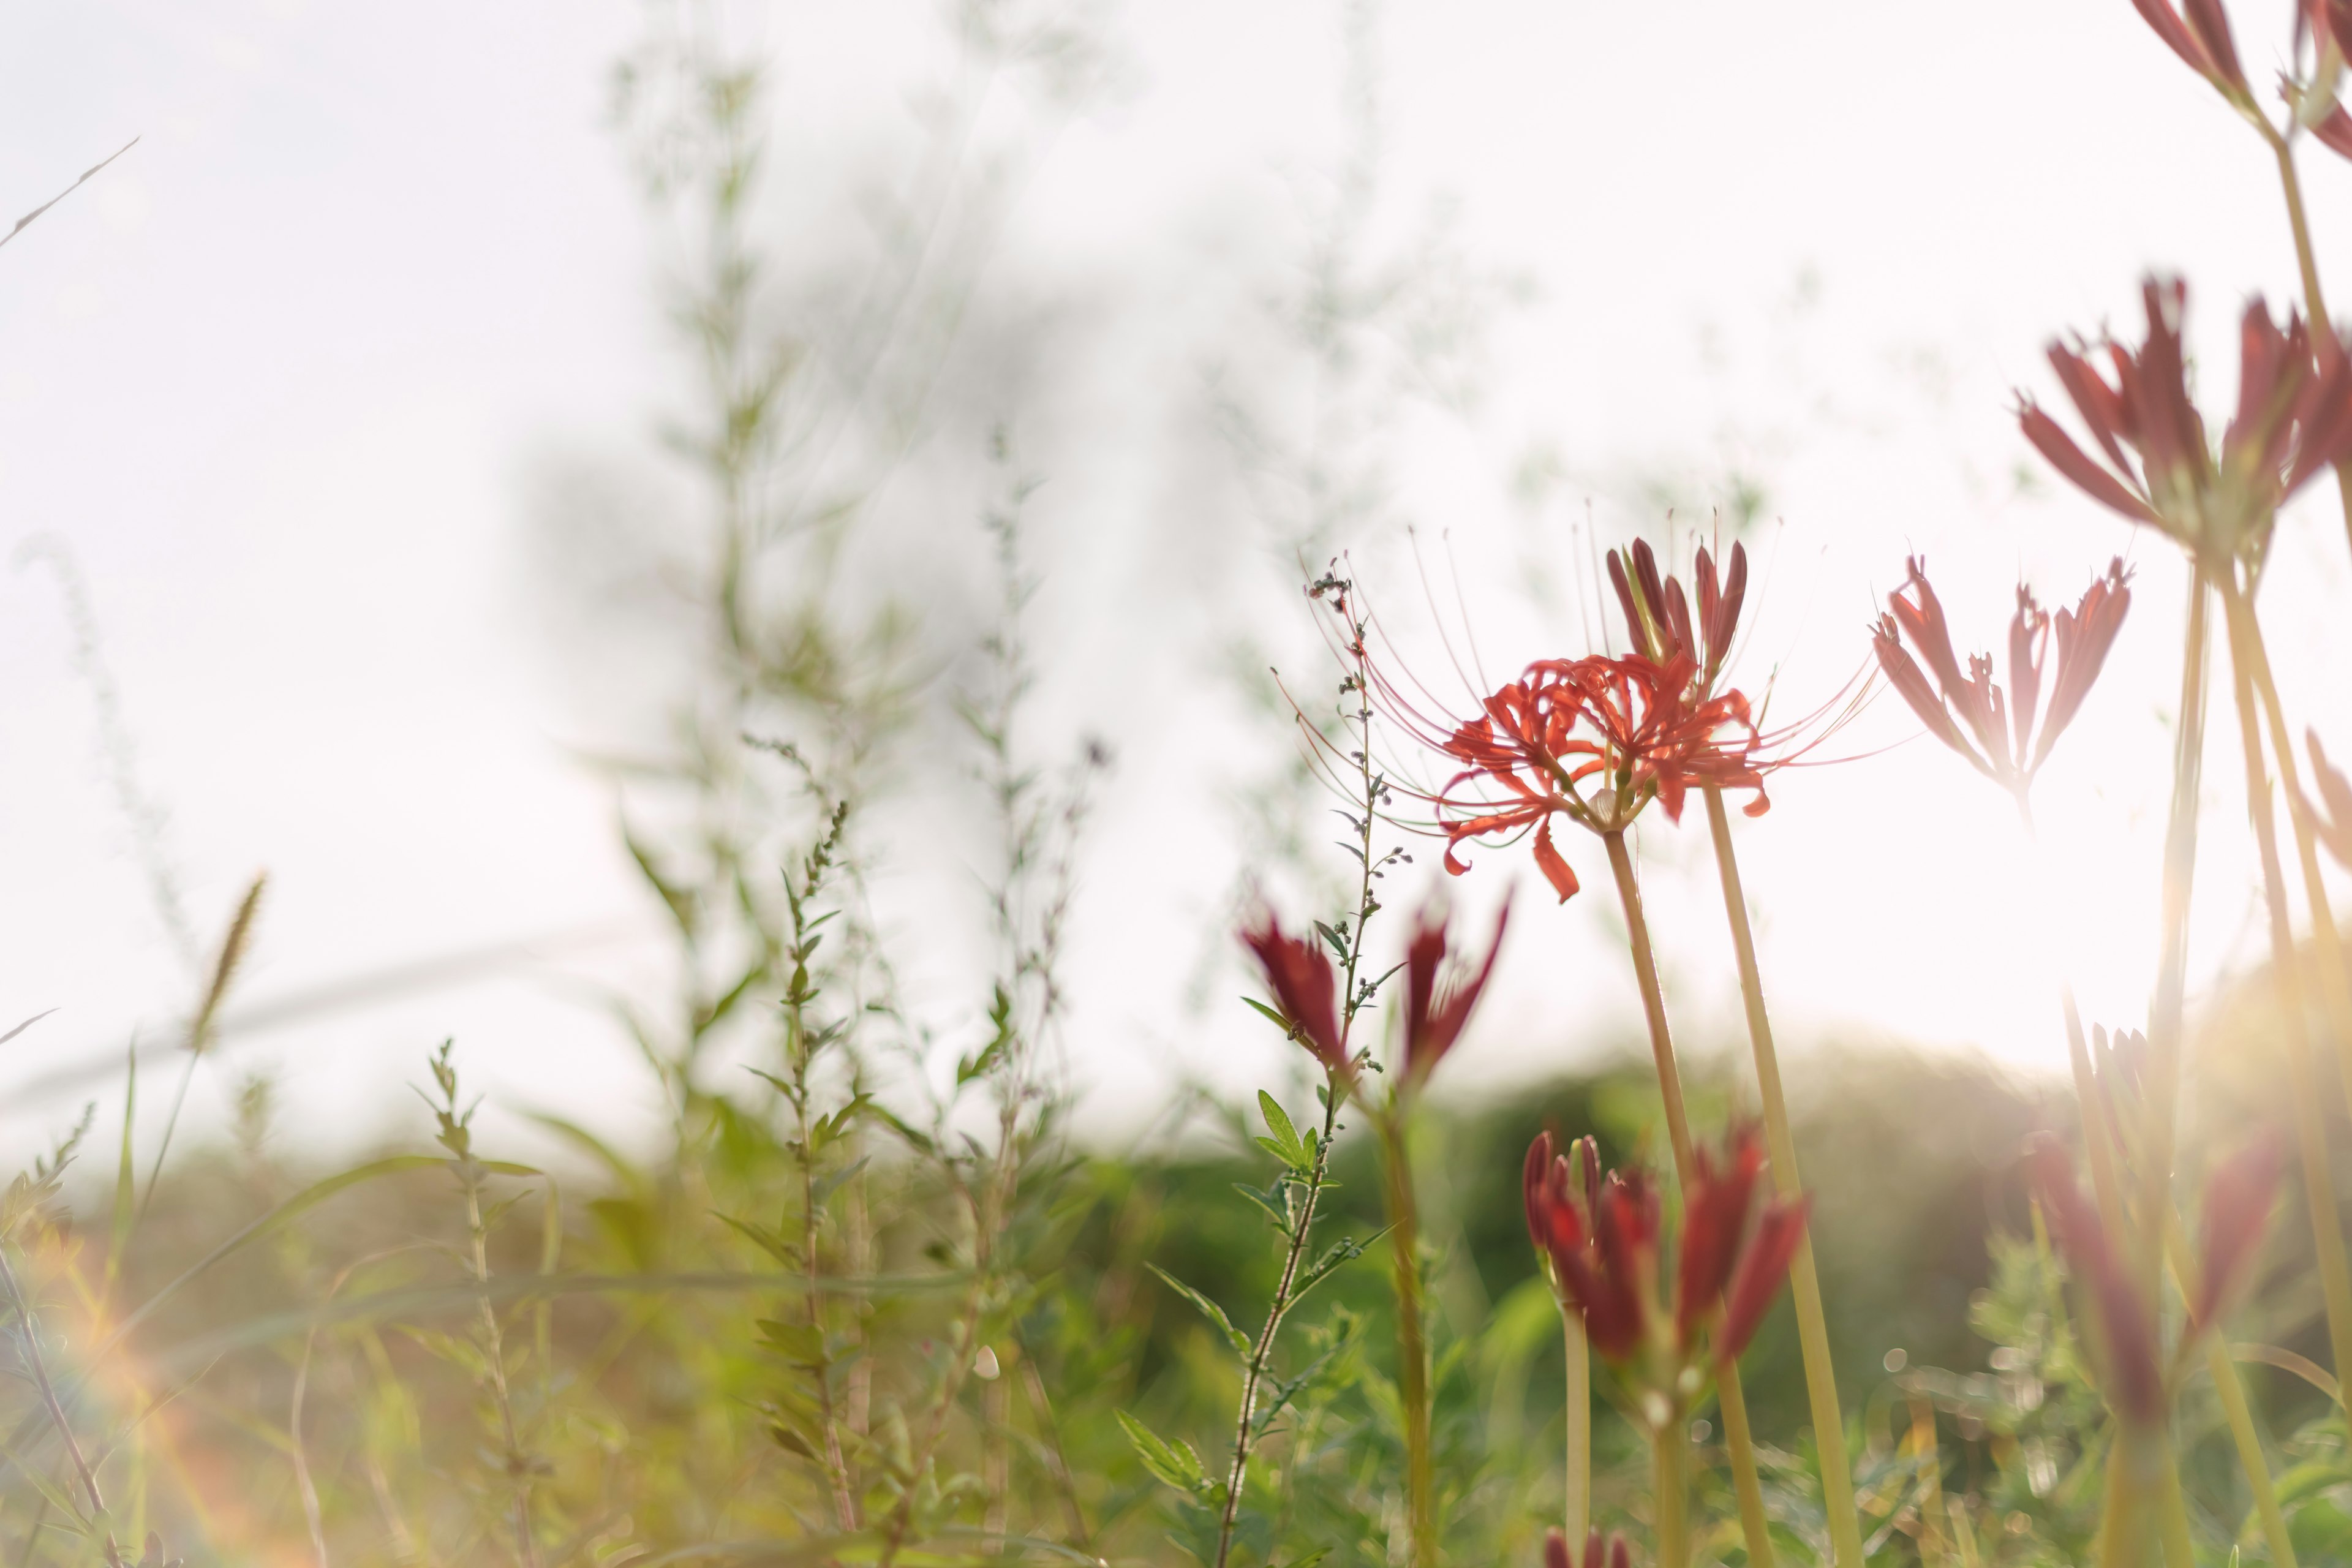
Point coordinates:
[[2311, 1133], [1578, 1514], [1804, 1280], [2232, 1393], [1671, 1488], [2164, 1023], [1413, 1346], [2334, 988], [1745, 1482], [1653, 1004]]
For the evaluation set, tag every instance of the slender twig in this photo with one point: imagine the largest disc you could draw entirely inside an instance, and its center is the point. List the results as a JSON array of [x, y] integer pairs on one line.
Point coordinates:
[[1805, 1278], [1262, 1353], [1354, 995]]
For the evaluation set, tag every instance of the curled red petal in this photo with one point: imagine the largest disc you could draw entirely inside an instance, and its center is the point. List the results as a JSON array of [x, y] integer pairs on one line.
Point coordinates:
[[1554, 870]]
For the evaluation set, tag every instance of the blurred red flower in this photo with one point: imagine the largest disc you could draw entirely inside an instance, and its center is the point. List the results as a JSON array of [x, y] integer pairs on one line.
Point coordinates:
[[2000, 739], [2292, 422], [1306, 988], [1438, 1006]]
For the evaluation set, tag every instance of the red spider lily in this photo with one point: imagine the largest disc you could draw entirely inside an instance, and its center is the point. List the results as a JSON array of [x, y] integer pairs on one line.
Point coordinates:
[[2334, 825], [2294, 421], [2200, 34], [2238, 1200], [2000, 740], [1434, 1014], [1616, 1554], [1305, 989], [1631, 728], [1603, 1251]]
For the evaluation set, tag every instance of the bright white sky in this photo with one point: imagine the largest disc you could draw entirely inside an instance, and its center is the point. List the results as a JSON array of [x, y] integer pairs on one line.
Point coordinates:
[[282, 379]]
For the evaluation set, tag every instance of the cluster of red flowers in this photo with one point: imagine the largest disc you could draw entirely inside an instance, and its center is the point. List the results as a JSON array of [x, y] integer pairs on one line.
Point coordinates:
[[1601, 1237], [2294, 421]]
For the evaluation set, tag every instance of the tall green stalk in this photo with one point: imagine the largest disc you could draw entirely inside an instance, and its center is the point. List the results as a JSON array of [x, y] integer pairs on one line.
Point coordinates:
[[1745, 1482], [1412, 1345], [1805, 1278], [1577, 1515], [1670, 1459], [2311, 1133]]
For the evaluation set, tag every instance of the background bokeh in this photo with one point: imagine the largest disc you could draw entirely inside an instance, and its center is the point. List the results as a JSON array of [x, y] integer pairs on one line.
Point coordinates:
[[343, 394]]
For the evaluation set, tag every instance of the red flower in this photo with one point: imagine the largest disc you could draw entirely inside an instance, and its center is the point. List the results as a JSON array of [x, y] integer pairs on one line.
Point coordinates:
[[2294, 420], [1305, 989], [2238, 1199], [1601, 1243], [1434, 1015], [1557, 1554], [1632, 728], [2000, 739]]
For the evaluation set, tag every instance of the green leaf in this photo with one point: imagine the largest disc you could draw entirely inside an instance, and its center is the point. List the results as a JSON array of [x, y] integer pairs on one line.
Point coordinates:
[[1209, 1310], [1267, 1202], [1285, 1142], [1276, 1019], [1174, 1463]]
